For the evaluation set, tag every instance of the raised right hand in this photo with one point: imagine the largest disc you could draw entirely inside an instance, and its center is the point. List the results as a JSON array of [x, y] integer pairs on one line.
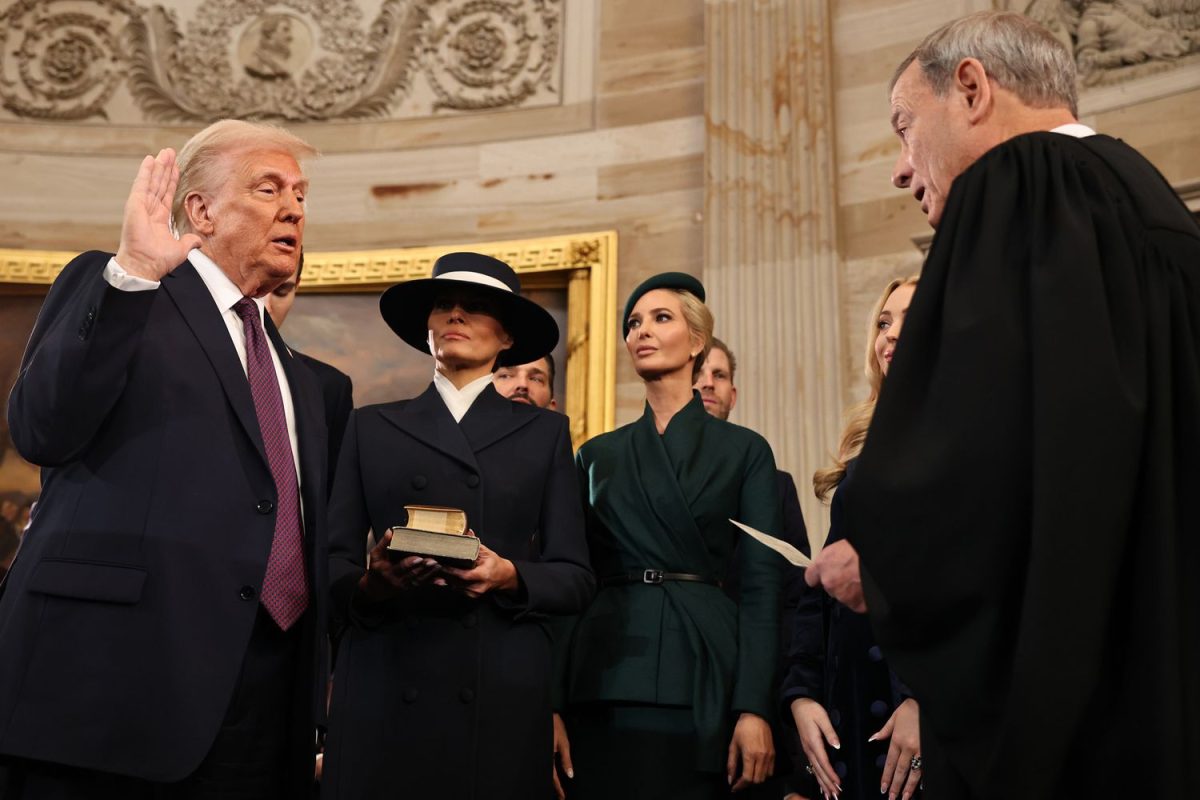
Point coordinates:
[[815, 729], [148, 248]]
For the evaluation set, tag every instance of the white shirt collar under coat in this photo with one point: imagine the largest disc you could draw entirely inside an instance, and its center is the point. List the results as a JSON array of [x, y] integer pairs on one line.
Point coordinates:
[[1076, 129], [225, 292], [459, 400]]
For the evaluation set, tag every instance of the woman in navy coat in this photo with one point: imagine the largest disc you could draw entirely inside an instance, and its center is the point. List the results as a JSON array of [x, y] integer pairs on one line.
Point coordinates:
[[857, 722], [442, 681]]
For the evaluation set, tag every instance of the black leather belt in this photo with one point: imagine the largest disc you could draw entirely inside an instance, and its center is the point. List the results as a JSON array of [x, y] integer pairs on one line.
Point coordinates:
[[655, 577]]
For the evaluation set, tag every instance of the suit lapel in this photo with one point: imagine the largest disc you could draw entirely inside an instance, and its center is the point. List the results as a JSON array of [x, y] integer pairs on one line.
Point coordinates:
[[426, 419], [306, 395], [490, 419], [655, 473], [195, 304]]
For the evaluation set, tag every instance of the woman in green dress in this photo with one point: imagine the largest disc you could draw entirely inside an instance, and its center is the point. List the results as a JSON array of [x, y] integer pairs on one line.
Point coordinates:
[[666, 682]]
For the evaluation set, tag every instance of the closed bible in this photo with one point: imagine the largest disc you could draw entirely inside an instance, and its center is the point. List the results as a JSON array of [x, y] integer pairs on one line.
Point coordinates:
[[435, 532]]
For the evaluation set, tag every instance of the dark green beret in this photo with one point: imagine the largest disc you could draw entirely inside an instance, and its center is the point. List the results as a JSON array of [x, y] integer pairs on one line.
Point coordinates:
[[663, 280]]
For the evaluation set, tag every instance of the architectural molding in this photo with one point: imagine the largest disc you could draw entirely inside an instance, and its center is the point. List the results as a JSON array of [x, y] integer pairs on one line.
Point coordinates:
[[296, 60]]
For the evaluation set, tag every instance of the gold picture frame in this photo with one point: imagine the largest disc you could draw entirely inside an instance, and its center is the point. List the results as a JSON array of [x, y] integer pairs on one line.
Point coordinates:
[[584, 264]]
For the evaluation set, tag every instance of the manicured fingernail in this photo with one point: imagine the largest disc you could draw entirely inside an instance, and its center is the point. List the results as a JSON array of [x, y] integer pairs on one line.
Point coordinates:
[[883, 788], [873, 737], [836, 745], [570, 773]]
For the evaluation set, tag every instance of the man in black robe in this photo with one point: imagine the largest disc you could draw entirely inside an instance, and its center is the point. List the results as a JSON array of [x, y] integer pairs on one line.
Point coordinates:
[[1024, 503]]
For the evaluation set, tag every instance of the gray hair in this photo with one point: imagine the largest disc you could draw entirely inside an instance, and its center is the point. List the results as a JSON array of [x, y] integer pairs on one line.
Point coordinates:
[[1016, 52]]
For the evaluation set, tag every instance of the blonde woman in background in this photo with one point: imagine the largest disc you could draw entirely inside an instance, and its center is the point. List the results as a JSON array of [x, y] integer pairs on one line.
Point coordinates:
[[841, 692]]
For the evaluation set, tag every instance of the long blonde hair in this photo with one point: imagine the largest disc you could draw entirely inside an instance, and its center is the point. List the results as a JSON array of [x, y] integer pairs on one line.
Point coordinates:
[[858, 417]]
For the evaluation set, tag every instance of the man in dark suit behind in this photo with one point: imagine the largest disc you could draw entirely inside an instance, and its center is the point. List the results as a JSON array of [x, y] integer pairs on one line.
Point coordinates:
[[337, 389], [159, 627]]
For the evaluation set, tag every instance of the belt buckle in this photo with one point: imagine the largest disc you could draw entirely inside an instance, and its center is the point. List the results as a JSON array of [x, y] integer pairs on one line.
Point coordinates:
[[654, 577]]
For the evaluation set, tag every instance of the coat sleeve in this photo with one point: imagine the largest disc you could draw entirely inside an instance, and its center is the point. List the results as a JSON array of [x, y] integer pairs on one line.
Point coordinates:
[[560, 581], [761, 582], [349, 524], [804, 667], [77, 361]]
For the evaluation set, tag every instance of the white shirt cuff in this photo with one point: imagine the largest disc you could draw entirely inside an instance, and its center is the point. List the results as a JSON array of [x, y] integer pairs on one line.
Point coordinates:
[[118, 278]]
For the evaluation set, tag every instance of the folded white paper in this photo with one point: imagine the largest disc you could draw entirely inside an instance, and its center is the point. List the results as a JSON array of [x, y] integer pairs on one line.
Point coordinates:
[[784, 549]]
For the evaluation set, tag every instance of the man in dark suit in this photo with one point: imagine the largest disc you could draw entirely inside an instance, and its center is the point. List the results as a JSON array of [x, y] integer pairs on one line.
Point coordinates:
[[159, 627], [336, 387]]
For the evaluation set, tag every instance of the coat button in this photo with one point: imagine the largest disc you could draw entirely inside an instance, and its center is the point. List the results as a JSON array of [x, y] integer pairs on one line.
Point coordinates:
[[470, 621], [419, 482], [265, 507], [246, 593], [472, 480], [410, 695], [467, 695]]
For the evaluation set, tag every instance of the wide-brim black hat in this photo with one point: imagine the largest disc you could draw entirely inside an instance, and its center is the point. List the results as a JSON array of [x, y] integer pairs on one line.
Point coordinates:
[[405, 307]]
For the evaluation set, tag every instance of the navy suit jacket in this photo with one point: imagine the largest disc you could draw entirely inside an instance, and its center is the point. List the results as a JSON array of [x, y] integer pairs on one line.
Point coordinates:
[[126, 617]]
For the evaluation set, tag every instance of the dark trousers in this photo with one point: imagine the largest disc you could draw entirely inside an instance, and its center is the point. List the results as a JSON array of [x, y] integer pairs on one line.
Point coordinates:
[[251, 758]]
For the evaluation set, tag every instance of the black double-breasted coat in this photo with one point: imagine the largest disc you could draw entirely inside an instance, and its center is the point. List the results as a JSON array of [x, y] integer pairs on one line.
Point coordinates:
[[435, 694]]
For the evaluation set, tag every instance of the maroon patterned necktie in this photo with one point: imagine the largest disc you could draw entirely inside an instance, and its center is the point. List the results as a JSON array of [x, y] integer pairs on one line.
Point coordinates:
[[285, 587]]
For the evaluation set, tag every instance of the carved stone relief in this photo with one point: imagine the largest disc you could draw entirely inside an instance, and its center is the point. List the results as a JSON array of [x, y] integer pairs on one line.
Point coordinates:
[[1116, 40], [296, 60]]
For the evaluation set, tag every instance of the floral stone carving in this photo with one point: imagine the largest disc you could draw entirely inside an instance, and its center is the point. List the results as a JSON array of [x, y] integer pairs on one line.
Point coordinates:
[[296, 60]]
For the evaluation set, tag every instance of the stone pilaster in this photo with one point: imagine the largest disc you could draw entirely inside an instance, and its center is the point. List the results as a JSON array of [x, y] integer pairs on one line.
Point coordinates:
[[770, 257]]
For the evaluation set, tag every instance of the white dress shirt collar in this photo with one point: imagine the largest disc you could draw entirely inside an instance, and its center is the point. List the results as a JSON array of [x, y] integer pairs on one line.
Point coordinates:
[[1076, 129], [225, 292], [459, 400]]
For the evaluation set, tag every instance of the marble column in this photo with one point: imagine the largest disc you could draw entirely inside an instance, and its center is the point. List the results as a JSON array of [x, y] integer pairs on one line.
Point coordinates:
[[770, 255]]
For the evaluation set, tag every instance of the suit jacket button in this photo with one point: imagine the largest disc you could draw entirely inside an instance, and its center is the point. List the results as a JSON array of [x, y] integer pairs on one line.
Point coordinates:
[[265, 507], [470, 620], [247, 593], [467, 695], [419, 482], [410, 695], [472, 480]]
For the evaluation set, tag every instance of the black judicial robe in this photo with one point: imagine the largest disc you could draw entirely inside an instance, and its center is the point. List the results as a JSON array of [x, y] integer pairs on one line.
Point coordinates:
[[664, 502], [1025, 506], [437, 695]]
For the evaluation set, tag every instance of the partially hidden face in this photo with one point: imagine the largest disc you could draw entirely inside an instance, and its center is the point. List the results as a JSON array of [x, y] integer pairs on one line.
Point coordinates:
[[526, 383], [659, 339], [935, 146], [715, 384], [465, 330], [890, 323], [281, 298], [254, 223]]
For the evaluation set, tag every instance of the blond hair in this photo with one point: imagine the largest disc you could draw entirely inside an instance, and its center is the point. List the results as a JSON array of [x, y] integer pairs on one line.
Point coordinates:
[[700, 323], [200, 160], [858, 417]]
